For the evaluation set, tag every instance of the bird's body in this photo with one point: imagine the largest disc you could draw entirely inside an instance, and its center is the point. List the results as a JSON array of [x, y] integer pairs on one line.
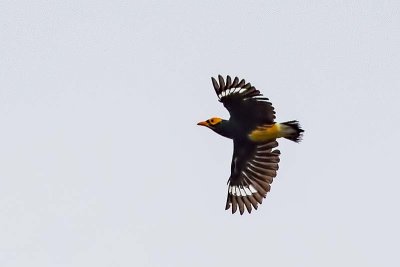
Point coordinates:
[[254, 133]]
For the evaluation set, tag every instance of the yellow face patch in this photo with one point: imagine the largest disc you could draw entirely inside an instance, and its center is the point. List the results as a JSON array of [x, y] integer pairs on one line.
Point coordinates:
[[214, 121], [265, 133]]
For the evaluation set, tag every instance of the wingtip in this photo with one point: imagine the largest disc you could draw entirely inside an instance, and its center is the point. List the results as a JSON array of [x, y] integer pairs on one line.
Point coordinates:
[[215, 84], [228, 81], [221, 81]]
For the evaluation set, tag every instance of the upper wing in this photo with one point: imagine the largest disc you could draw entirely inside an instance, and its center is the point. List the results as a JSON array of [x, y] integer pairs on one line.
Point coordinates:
[[253, 168], [244, 102]]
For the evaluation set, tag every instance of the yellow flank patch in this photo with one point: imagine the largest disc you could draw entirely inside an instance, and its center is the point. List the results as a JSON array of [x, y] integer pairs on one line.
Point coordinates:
[[265, 132]]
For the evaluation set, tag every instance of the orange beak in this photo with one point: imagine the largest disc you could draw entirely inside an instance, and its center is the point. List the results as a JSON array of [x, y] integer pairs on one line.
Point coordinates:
[[203, 123]]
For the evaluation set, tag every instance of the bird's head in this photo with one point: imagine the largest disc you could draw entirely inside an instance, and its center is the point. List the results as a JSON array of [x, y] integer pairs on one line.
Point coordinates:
[[211, 123], [218, 125]]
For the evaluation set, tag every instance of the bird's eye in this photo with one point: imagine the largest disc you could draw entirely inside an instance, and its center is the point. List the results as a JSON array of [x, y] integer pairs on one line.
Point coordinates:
[[212, 121]]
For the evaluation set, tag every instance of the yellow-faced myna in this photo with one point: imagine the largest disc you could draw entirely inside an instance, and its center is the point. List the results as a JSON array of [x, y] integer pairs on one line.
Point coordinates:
[[253, 130]]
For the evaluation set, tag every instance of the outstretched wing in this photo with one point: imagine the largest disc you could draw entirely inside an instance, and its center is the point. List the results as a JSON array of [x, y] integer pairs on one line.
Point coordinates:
[[253, 168], [246, 105]]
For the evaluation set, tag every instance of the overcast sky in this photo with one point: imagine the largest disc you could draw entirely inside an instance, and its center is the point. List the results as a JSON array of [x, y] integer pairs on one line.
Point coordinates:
[[102, 163]]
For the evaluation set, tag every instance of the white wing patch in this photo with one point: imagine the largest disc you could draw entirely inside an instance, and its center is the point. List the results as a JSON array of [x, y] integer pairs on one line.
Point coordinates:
[[241, 190], [232, 91], [238, 91], [252, 189], [258, 98]]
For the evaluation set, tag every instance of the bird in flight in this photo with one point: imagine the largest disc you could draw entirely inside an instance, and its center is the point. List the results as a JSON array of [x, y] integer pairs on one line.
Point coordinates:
[[254, 132]]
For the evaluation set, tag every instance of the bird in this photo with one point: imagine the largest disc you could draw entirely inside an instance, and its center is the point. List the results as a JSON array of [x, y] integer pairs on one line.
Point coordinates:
[[254, 132]]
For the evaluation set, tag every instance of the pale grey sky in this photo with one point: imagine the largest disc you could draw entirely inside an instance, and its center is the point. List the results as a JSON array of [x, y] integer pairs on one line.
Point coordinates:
[[102, 163]]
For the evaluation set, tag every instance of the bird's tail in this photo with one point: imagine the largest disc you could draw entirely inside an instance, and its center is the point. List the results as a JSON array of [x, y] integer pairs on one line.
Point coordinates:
[[291, 130]]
